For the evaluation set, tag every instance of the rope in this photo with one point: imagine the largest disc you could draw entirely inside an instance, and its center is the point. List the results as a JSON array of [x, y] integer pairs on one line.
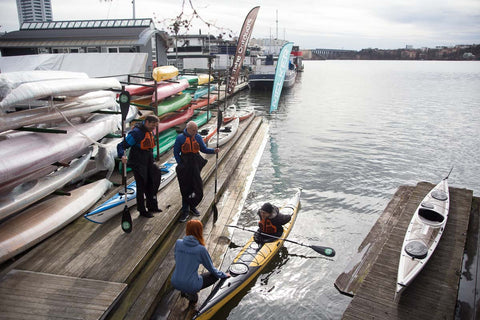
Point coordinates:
[[100, 145]]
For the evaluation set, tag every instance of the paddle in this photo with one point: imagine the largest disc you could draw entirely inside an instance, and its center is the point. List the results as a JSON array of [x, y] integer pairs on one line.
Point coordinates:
[[124, 100], [326, 251], [219, 123]]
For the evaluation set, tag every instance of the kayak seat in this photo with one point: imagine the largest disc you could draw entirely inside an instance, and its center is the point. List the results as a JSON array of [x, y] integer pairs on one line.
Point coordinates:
[[430, 215]]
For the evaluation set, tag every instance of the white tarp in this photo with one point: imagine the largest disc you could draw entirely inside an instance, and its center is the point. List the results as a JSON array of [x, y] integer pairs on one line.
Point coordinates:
[[93, 64]]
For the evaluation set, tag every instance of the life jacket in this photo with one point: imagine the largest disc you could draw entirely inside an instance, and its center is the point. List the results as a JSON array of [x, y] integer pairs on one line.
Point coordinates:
[[190, 145], [266, 226], [148, 143]]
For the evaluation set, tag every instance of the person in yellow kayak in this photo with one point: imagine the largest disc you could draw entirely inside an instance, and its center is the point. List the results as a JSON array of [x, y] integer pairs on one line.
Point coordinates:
[[190, 252], [271, 223]]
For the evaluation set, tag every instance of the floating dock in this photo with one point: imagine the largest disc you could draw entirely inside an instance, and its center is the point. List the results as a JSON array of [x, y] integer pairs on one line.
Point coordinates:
[[371, 276], [92, 271]]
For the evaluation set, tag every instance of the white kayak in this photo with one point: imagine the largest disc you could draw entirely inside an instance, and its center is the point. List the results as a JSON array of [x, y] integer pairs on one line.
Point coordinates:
[[226, 133], [26, 152], [64, 87], [116, 203], [11, 80], [45, 218], [32, 191], [84, 104], [423, 234]]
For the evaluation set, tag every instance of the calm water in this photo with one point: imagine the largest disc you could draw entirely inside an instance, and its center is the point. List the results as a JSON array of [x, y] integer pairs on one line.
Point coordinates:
[[350, 133]]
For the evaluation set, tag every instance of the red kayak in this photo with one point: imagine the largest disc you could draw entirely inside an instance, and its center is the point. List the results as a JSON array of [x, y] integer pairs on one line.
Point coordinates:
[[203, 102], [175, 119], [166, 89], [141, 90]]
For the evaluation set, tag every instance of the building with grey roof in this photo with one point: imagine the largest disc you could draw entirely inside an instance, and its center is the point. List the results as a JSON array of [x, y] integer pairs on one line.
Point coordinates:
[[88, 36]]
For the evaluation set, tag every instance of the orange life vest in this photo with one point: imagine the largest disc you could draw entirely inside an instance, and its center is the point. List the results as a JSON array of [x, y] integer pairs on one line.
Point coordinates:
[[148, 142], [266, 226], [190, 145]]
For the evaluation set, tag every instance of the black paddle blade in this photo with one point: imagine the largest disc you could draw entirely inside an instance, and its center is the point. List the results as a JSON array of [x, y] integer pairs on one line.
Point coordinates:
[[215, 213], [326, 251], [219, 119], [126, 220]]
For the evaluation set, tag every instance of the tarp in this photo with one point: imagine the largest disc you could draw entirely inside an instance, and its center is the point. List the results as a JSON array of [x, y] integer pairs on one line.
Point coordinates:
[[93, 64]]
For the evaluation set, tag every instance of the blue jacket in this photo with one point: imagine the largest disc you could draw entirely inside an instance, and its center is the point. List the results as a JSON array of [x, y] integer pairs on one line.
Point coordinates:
[[181, 138], [189, 254]]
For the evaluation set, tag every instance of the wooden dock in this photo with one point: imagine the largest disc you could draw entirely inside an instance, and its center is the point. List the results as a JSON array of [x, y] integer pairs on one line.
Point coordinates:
[[91, 271], [371, 276]]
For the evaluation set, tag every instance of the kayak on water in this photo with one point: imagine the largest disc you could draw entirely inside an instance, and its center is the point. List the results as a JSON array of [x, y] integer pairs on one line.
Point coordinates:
[[248, 264]]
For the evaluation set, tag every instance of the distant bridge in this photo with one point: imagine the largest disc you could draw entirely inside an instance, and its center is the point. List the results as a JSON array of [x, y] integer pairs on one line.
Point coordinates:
[[333, 53]]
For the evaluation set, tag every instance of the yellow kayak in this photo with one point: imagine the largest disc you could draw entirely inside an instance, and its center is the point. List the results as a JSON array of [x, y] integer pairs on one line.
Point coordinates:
[[247, 265], [164, 73]]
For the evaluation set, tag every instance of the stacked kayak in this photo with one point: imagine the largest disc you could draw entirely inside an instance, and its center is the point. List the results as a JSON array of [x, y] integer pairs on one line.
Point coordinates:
[[202, 102], [173, 104], [30, 192], [174, 119], [247, 265], [115, 204], [46, 217], [164, 73]]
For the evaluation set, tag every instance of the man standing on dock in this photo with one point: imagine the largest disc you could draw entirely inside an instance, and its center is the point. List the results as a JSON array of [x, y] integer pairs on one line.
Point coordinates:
[[190, 163], [147, 175]]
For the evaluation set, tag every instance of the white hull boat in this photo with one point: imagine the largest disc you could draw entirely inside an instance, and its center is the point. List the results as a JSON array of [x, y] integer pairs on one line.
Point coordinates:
[[26, 152], [64, 87], [45, 218], [32, 191], [423, 234]]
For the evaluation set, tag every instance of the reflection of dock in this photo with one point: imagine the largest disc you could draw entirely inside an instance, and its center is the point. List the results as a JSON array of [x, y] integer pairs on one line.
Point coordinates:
[[371, 277], [91, 271]]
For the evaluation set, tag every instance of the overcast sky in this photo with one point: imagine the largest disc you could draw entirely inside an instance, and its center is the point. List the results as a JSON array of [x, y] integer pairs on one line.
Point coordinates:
[[334, 24]]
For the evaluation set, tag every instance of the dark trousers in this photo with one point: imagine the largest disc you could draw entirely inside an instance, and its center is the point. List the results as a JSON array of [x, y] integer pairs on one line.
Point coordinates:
[[208, 279], [147, 189]]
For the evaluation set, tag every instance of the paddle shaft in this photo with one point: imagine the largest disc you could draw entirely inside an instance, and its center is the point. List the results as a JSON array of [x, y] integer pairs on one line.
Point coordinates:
[[326, 251]]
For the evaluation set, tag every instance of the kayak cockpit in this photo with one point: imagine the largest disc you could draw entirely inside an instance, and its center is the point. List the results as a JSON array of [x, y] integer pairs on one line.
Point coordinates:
[[430, 216]]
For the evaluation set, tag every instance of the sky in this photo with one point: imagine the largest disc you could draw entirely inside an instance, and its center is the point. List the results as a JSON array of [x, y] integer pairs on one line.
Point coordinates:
[[337, 24]]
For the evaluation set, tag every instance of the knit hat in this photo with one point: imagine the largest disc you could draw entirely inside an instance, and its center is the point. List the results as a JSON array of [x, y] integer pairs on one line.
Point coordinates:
[[267, 207]]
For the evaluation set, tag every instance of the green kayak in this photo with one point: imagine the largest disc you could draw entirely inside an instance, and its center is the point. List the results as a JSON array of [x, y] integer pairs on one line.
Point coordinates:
[[173, 103]]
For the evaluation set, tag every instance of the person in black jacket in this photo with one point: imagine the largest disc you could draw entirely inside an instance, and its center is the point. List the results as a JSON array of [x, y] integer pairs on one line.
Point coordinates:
[[271, 223], [147, 175]]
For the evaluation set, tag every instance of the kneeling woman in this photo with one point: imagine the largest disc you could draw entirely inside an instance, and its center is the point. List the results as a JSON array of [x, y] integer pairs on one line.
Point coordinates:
[[190, 252]]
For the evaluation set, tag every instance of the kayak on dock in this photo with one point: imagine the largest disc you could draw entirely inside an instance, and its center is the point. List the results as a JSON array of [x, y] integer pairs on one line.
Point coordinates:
[[248, 264], [115, 204], [423, 234]]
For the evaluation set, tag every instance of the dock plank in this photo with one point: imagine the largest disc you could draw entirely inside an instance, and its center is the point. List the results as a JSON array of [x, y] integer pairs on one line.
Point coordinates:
[[26, 294]]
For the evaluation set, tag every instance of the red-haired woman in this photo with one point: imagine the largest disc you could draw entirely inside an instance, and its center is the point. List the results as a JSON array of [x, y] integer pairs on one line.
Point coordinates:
[[190, 252]]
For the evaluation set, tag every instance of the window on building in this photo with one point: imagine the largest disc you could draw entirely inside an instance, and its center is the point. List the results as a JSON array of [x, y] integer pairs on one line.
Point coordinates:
[[113, 50], [93, 49]]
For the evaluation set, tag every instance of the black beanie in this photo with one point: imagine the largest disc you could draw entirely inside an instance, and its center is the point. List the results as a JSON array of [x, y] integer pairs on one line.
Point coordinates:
[[267, 207]]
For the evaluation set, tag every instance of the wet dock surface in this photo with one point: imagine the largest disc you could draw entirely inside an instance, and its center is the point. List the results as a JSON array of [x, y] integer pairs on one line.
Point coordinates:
[[93, 271], [371, 276]]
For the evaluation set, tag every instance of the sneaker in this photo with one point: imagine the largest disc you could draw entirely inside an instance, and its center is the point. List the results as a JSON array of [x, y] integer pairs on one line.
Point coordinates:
[[183, 217], [192, 297], [155, 210], [195, 212], [146, 214]]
